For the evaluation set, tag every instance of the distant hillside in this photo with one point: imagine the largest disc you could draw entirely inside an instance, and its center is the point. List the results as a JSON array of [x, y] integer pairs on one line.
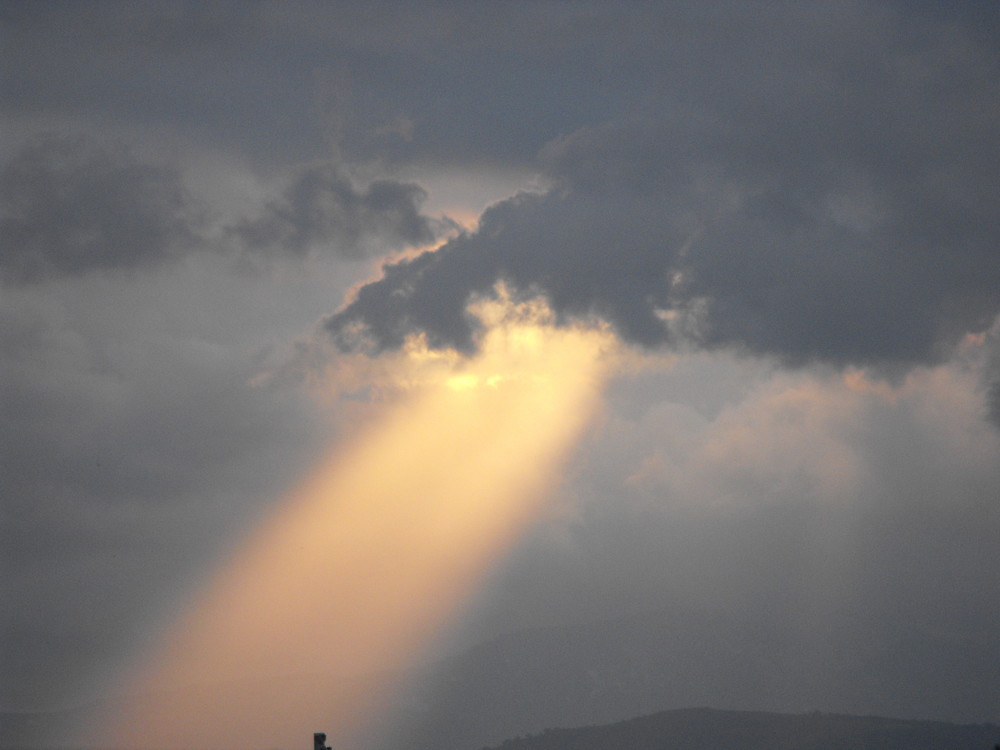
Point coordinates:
[[610, 671], [708, 729]]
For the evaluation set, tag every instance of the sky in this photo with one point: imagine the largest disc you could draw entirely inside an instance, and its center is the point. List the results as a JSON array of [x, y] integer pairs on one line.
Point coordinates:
[[235, 237]]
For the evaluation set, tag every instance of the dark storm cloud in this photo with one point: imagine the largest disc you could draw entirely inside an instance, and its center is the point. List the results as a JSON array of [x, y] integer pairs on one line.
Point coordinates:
[[69, 206], [243, 76], [538, 244], [829, 201], [324, 209]]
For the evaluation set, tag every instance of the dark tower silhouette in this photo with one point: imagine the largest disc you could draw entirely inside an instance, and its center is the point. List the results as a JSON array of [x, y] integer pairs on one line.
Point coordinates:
[[319, 741]]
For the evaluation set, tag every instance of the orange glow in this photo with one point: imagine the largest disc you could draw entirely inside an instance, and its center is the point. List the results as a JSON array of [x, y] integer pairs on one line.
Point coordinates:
[[305, 628]]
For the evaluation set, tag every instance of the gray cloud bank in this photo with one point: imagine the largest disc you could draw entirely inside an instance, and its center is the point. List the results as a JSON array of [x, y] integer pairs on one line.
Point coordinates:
[[322, 206], [832, 203], [71, 205], [68, 206], [127, 456]]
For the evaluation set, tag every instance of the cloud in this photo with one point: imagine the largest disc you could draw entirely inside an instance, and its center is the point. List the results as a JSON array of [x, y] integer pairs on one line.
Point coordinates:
[[69, 206], [837, 210], [814, 500], [323, 210], [992, 373], [129, 453]]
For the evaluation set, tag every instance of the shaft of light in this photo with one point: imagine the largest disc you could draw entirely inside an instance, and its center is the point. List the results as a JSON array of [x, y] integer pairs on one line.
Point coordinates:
[[305, 628]]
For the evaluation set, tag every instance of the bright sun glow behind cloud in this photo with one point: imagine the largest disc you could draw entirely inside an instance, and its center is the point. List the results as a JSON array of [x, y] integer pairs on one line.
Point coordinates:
[[304, 628]]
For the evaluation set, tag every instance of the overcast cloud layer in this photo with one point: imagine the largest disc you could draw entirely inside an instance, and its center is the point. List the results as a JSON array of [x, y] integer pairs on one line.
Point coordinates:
[[788, 209], [835, 205]]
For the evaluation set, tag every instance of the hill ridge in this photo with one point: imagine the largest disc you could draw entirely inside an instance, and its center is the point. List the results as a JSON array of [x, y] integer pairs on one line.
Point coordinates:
[[702, 727]]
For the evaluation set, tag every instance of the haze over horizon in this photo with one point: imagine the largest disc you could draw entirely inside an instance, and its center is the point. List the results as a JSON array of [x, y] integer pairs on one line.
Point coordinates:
[[235, 238]]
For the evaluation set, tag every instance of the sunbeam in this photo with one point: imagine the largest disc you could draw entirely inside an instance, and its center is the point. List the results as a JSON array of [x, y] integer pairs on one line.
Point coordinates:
[[305, 628]]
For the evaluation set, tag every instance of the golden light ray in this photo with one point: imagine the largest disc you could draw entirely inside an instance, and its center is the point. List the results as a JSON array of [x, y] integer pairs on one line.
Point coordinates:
[[305, 628]]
